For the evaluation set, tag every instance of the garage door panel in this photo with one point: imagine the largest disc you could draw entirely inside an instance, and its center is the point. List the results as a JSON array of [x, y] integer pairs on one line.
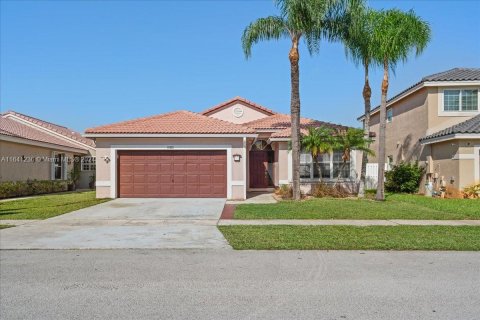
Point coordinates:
[[153, 178], [139, 178], [162, 173], [218, 179], [126, 178], [165, 178], [139, 167], [205, 179], [191, 167], [192, 179], [179, 167], [126, 167], [179, 179], [217, 190]]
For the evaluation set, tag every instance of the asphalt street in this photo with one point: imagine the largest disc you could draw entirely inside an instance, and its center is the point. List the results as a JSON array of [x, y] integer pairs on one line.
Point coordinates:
[[227, 284]]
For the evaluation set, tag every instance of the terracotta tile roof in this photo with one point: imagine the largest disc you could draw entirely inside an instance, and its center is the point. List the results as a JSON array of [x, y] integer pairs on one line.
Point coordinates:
[[455, 74], [179, 122], [470, 126], [14, 128], [238, 99], [64, 131], [281, 124]]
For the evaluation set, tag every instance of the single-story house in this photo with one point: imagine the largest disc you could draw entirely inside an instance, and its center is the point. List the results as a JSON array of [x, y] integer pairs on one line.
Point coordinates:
[[223, 152], [33, 149]]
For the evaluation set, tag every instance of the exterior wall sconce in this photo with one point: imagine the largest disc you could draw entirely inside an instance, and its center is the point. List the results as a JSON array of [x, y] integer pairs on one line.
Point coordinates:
[[107, 159], [237, 157]]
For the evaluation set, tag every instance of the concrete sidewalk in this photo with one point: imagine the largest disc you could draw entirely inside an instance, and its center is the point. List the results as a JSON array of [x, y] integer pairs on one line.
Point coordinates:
[[360, 223]]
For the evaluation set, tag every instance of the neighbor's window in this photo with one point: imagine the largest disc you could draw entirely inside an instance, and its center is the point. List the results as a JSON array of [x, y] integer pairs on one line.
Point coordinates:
[[390, 162], [328, 164], [305, 166], [88, 163], [460, 100], [339, 168], [58, 165], [389, 115]]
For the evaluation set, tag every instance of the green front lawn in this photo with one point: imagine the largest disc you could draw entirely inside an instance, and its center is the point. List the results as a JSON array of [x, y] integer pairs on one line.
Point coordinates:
[[397, 206], [352, 238], [43, 207]]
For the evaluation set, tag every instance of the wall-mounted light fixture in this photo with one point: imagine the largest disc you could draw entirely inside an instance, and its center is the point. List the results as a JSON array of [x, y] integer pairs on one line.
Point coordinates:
[[107, 159], [237, 157]]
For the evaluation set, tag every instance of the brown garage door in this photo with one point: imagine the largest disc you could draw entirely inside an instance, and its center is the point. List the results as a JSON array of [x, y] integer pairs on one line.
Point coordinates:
[[172, 174]]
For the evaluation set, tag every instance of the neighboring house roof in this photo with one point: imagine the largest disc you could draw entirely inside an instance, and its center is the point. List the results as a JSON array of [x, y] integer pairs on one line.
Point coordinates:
[[455, 74], [238, 99], [281, 124], [470, 126], [64, 131], [179, 122], [17, 129]]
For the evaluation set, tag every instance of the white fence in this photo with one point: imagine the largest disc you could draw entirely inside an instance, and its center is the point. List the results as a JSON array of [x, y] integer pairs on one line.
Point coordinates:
[[371, 178]]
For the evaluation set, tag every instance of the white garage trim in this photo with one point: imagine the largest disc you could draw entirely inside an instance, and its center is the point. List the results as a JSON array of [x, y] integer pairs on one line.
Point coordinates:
[[115, 148]]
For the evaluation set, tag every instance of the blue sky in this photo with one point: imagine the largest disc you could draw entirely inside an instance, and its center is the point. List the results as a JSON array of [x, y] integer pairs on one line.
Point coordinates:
[[86, 63]]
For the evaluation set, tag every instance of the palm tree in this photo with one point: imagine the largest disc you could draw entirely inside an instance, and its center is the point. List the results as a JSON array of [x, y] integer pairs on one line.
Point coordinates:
[[395, 35], [318, 140], [351, 139], [312, 20], [360, 49]]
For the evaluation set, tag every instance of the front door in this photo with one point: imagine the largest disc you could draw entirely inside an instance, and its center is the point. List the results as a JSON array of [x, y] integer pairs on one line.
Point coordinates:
[[259, 175]]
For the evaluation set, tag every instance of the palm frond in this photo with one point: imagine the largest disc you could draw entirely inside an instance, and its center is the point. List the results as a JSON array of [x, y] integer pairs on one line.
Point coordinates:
[[398, 33], [269, 28]]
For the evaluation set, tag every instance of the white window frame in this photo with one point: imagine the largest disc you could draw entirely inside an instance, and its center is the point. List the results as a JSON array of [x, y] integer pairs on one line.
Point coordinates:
[[90, 164], [311, 163], [389, 118], [459, 113], [63, 166]]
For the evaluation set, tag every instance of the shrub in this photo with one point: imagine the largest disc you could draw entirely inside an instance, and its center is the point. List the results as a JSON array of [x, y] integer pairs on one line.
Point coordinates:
[[472, 192], [322, 190], [285, 191], [452, 193], [404, 177], [9, 189]]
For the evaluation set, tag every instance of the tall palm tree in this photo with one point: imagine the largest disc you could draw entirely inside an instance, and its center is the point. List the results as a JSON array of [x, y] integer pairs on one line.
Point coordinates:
[[318, 140], [312, 20], [395, 35], [360, 49], [351, 139]]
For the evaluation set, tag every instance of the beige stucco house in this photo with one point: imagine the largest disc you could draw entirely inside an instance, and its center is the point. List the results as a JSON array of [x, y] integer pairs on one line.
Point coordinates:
[[436, 122], [33, 149], [222, 152]]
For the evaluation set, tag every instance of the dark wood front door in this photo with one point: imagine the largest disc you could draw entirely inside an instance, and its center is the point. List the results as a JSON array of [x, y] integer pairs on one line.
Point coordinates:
[[259, 177], [172, 174]]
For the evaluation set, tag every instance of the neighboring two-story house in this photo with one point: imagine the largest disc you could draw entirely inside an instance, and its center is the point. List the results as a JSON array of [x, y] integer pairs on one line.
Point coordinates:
[[436, 122]]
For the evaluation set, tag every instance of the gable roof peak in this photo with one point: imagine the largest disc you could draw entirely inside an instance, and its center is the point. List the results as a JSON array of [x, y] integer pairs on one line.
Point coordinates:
[[238, 99]]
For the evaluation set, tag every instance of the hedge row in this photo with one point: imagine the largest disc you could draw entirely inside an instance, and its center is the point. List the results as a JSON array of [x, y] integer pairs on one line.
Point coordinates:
[[9, 189]]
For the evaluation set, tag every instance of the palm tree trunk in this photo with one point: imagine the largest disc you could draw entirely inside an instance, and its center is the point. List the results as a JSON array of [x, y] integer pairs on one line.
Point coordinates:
[[295, 117], [381, 139], [367, 93]]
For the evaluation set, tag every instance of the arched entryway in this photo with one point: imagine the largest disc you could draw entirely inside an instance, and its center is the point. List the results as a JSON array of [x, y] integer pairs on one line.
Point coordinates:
[[261, 161]]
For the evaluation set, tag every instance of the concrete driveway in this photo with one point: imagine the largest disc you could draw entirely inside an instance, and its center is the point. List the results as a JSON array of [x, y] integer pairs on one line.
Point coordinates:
[[126, 223]]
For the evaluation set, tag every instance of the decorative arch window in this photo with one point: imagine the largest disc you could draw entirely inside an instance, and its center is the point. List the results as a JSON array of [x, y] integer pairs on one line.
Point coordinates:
[[261, 145]]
